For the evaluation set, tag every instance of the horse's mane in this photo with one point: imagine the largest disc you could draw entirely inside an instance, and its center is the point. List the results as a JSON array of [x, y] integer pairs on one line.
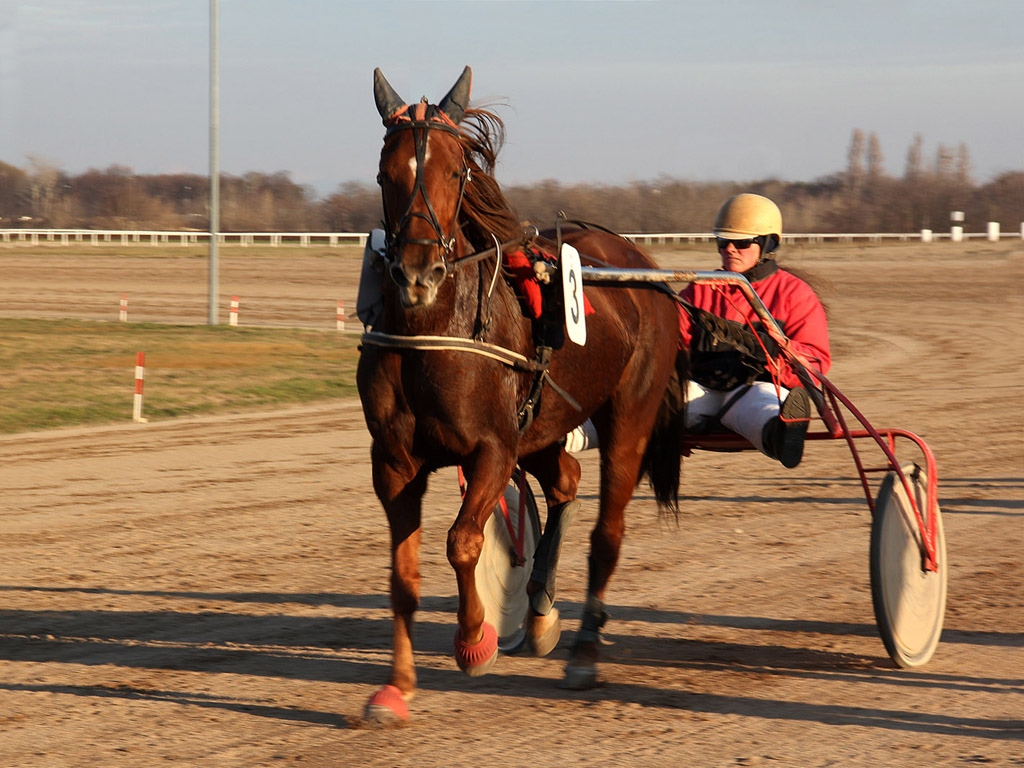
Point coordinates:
[[485, 210]]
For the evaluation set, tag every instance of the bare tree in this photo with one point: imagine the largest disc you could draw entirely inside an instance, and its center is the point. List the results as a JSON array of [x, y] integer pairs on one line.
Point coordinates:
[[855, 161], [860, 198], [355, 207], [913, 168], [42, 189], [875, 159], [963, 165], [945, 162], [13, 187]]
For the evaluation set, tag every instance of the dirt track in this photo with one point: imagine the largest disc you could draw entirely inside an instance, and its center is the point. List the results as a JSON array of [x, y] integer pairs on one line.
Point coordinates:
[[212, 592]]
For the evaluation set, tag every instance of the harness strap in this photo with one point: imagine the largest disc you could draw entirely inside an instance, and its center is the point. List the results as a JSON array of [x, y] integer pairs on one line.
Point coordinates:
[[466, 261], [528, 409], [539, 367], [493, 351], [565, 395]]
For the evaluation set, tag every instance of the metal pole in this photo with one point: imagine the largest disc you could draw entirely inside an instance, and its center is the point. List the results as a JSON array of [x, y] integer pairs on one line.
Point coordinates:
[[621, 275], [214, 281]]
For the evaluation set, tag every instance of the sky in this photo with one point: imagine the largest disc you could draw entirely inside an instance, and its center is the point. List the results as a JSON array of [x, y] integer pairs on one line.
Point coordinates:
[[591, 91]]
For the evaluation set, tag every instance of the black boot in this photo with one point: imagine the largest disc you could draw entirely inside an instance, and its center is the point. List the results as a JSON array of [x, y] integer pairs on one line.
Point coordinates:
[[784, 440]]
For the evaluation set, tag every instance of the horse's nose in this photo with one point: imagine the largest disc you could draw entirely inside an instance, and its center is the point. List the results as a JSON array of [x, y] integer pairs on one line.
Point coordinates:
[[398, 275], [436, 274], [430, 277]]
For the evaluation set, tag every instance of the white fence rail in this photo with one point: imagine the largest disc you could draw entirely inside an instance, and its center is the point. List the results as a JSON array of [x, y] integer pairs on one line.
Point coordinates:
[[925, 236], [333, 239], [158, 237]]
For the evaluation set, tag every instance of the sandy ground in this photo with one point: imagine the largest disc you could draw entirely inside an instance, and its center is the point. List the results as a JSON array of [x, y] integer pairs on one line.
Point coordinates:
[[212, 592], [300, 290]]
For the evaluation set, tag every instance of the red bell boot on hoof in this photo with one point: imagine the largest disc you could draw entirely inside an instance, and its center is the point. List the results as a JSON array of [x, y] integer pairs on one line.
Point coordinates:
[[477, 659]]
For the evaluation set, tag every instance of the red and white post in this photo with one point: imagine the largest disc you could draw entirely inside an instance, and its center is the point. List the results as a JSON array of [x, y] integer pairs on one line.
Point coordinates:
[[140, 375], [341, 315], [122, 315], [233, 316]]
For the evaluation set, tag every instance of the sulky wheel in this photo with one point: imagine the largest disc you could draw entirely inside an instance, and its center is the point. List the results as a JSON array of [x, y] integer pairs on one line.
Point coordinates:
[[909, 601], [501, 583]]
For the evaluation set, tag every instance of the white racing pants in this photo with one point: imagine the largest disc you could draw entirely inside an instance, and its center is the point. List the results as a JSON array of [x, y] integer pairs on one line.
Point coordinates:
[[746, 416], [583, 438]]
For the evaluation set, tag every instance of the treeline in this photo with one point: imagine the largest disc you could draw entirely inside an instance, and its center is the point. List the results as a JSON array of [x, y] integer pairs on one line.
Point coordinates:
[[860, 198]]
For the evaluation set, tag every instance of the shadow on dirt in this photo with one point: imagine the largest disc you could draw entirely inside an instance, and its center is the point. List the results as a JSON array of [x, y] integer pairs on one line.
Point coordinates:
[[147, 622], [185, 698], [357, 650]]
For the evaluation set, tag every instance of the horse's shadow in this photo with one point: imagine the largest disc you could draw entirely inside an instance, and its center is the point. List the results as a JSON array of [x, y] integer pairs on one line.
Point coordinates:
[[192, 699], [352, 650]]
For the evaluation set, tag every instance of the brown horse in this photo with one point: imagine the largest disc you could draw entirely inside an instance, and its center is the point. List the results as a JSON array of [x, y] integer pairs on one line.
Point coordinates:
[[451, 375]]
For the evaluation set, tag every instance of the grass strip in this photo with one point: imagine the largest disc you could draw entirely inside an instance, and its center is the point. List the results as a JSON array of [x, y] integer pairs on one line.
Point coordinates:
[[57, 373]]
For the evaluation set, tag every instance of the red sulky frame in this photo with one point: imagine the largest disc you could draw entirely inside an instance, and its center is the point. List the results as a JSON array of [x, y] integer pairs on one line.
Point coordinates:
[[827, 398]]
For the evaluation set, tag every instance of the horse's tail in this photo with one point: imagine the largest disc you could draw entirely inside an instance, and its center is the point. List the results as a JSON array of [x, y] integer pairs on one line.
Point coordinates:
[[663, 457]]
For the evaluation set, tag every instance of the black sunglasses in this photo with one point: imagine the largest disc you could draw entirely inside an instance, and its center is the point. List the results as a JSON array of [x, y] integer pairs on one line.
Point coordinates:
[[724, 242]]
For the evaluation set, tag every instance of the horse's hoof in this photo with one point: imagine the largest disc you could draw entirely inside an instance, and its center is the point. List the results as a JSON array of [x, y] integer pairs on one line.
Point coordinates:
[[477, 659], [548, 629], [579, 678], [386, 708]]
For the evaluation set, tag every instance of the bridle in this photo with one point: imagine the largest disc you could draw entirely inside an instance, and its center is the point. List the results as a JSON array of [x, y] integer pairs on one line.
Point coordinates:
[[394, 233]]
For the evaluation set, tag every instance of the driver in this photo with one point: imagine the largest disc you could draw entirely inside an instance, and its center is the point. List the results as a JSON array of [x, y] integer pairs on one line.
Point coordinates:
[[732, 376], [732, 366]]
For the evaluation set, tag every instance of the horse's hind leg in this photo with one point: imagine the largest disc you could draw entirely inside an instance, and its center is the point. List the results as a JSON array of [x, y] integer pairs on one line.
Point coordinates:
[[620, 466], [402, 504], [559, 475]]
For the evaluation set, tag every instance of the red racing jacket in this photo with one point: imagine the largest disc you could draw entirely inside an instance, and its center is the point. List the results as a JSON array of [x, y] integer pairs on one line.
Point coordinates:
[[791, 302]]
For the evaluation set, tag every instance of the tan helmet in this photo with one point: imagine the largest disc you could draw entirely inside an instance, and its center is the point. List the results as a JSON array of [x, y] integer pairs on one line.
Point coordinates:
[[748, 215]]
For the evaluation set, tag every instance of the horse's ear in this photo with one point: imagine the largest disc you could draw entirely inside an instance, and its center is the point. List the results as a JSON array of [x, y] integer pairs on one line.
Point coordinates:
[[457, 99], [388, 102]]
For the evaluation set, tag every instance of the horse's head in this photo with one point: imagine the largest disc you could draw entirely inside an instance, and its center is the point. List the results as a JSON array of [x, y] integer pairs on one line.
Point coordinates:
[[423, 176]]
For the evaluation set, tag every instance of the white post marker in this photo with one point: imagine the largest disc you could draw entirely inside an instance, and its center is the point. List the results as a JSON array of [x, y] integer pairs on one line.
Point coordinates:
[[993, 231], [122, 315], [341, 315], [572, 294], [956, 231], [926, 235], [140, 375], [233, 316]]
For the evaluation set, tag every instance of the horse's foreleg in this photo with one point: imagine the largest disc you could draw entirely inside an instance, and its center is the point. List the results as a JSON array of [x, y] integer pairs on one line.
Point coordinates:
[[401, 497], [476, 641], [405, 595]]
